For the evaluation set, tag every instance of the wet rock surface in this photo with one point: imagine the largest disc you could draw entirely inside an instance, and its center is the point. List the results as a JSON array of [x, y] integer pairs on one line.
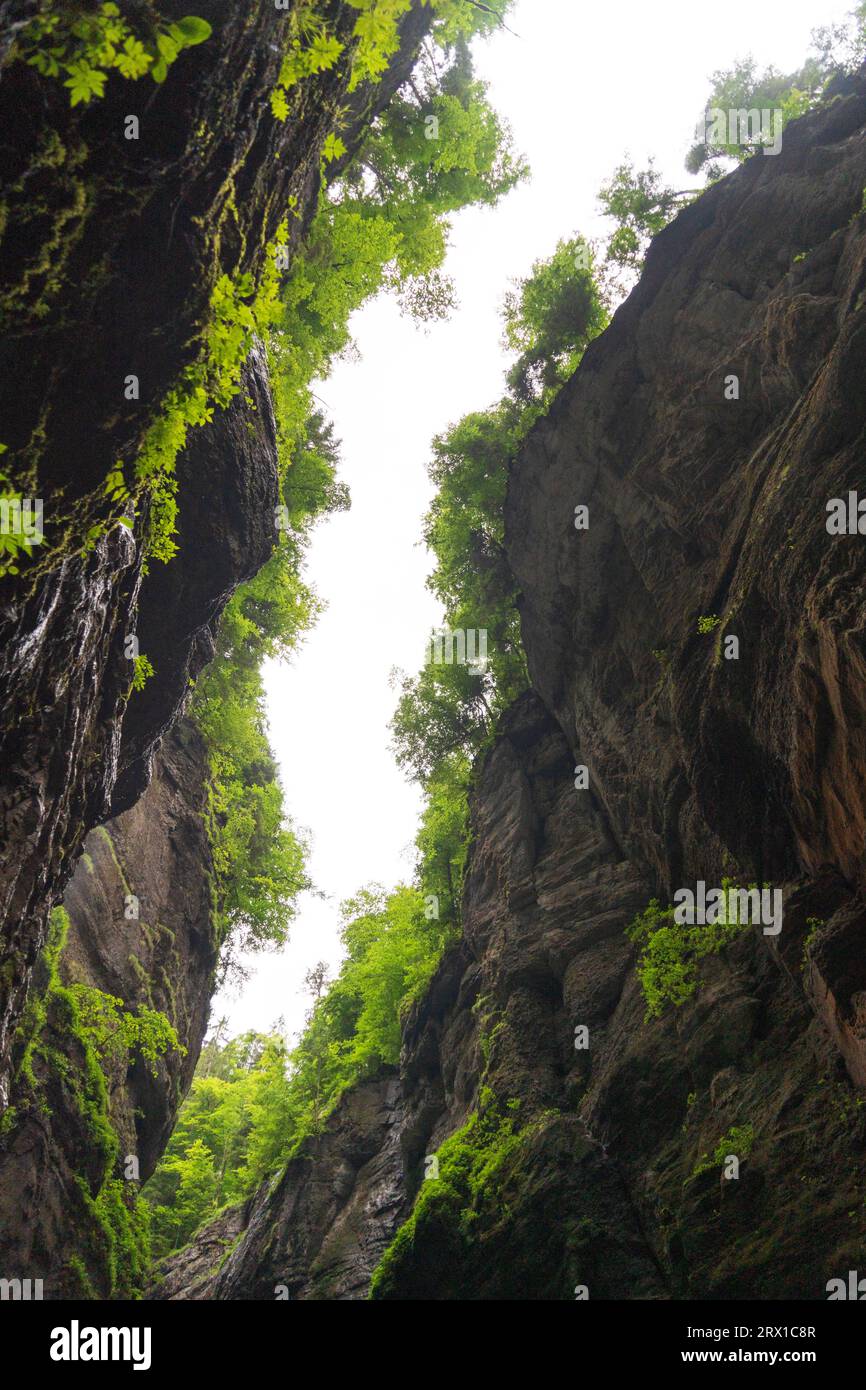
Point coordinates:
[[111, 249]]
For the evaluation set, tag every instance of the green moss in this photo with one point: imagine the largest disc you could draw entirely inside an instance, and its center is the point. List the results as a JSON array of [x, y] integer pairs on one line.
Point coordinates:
[[55, 223], [142, 671], [111, 1221], [142, 976], [239, 309], [473, 1165], [82, 1284], [814, 924], [29, 1032], [670, 950], [739, 1140], [105, 834], [119, 1236]]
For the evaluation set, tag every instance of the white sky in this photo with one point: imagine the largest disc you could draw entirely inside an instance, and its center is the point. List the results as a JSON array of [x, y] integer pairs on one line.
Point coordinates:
[[581, 85]]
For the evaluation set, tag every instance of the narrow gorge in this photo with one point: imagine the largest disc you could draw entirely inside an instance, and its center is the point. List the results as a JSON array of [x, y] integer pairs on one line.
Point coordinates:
[[686, 625]]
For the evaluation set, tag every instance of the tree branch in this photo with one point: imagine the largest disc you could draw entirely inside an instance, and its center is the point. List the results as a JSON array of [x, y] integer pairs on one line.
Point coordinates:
[[488, 9]]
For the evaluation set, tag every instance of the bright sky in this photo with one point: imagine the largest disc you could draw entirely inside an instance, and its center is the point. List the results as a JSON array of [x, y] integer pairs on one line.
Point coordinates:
[[582, 84]]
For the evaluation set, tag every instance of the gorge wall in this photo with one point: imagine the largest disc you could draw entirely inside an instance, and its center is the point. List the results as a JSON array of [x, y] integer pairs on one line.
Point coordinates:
[[704, 500], [560, 1167], [111, 252]]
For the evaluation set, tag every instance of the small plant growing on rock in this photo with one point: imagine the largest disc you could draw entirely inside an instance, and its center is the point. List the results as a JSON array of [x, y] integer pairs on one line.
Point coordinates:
[[142, 672], [814, 924], [116, 1033], [739, 1140], [670, 950]]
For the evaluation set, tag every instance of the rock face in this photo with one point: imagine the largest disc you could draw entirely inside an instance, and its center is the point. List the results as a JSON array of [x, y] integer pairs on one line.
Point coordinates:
[[165, 960], [155, 848], [707, 497], [112, 248], [129, 235], [334, 1209]]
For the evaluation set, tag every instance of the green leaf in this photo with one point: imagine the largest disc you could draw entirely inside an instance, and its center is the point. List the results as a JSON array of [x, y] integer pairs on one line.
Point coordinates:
[[333, 148], [84, 82], [279, 105], [134, 60], [167, 47], [159, 71], [193, 29]]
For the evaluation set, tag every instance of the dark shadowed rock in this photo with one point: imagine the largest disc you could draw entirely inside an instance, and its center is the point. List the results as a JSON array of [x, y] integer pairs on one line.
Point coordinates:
[[700, 767], [164, 960], [111, 249]]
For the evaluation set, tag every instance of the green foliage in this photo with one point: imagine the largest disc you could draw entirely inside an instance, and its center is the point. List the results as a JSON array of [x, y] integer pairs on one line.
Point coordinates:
[[192, 1198], [67, 1039], [119, 1239], [86, 45], [381, 225], [448, 711], [239, 310], [708, 623], [438, 147], [814, 925], [741, 89], [311, 47], [370, 233], [551, 319], [393, 948], [141, 672], [14, 543], [640, 204], [366, 237], [670, 950], [116, 1034], [253, 1101], [739, 1141], [259, 857], [441, 712], [473, 1167], [443, 837]]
